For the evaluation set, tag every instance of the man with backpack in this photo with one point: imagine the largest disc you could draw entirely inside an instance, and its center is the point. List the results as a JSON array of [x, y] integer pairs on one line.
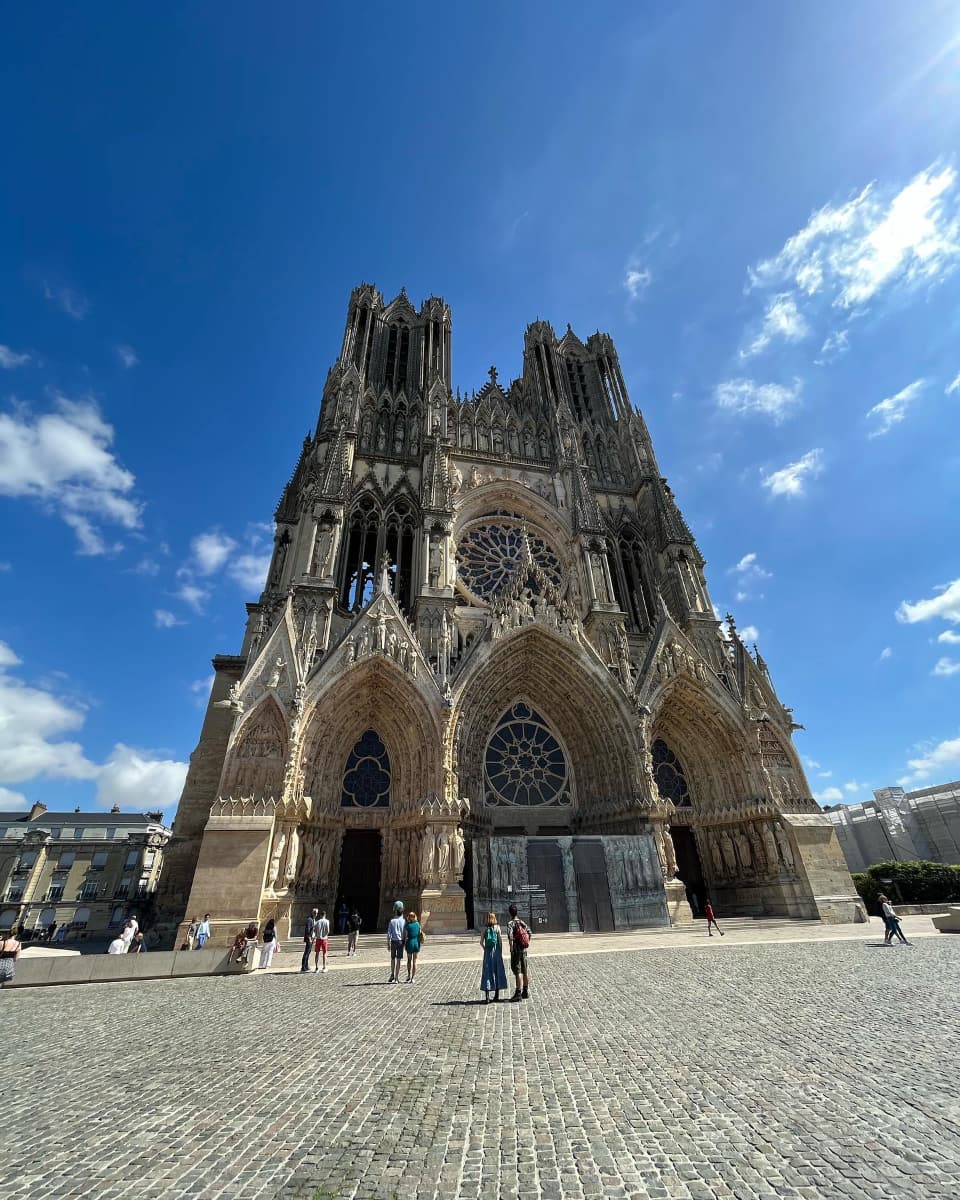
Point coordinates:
[[519, 933]]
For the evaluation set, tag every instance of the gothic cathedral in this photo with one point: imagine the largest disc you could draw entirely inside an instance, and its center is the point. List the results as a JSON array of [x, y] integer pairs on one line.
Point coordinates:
[[485, 668]]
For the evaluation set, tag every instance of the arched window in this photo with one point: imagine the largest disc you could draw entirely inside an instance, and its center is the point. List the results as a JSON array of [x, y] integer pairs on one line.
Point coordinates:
[[399, 546], [366, 777], [360, 561], [524, 764], [668, 774], [637, 603]]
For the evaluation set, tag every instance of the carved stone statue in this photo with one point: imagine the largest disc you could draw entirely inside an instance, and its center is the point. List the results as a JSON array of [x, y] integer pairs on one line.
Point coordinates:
[[350, 649], [413, 856], [729, 857], [459, 853], [715, 856], [670, 853], [381, 631], [363, 646], [279, 845], [436, 559], [293, 856], [427, 854], [770, 848], [321, 550], [274, 679], [783, 845], [443, 854]]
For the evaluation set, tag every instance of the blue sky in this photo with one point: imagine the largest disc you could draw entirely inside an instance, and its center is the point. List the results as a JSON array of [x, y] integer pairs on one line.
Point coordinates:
[[761, 203]]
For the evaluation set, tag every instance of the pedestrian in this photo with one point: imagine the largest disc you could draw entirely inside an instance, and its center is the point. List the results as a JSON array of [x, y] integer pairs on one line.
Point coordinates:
[[203, 932], [51, 930], [395, 936], [309, 937], [891, 922], [138, 945], [127, 933], [518, 932], [270, 944], [9, 953], [117, 946], [342, 916], [353, 931], [192, 929], [493, 976], [321, 942], [412, 939], [711, 919]]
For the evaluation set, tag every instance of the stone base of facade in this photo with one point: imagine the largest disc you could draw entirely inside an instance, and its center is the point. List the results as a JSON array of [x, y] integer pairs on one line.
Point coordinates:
[[442, 909], [678, 906]]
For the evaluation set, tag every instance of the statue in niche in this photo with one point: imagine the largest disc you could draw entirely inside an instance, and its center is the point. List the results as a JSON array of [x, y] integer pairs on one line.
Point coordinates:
[[381, 631], [744, 852], [392, 644], [274, 679], [669, 853], [279, 845], [398, 436], [715, 856], [363, 647], [783, 845], [366, 432], [459, 853], [770, 848], [321, 549], [293, 856], [443, 854], [326, 859], [599, 579], [415, 437], [350, 650], [427, 854], [436, 559], [382, 434], [413, 856]]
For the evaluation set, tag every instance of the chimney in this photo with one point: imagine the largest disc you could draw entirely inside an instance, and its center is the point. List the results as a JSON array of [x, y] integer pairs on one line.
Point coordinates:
[[37, 811]]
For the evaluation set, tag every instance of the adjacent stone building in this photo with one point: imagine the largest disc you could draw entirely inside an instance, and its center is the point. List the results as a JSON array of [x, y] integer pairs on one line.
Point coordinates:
[[82, 871], [485, 666], [900, 826]]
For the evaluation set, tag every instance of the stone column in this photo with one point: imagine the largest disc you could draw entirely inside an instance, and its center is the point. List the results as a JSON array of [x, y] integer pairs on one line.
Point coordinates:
[[570, 884]]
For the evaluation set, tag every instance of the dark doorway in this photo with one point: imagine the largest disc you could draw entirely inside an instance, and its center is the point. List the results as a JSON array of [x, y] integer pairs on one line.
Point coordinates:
[[689, 868], [545, 867], [593, 890], [360, 875]]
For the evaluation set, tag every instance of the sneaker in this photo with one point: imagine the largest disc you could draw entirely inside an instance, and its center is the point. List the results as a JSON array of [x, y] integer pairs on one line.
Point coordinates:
[[524, 995], [323, 970], [515, 996]]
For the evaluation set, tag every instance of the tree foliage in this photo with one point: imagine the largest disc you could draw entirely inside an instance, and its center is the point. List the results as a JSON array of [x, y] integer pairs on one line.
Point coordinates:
[[910, 883]]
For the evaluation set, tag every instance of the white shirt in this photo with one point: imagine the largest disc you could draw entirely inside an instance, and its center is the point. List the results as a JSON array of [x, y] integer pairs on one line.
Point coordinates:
[[117, 946], [322, 928], [888, 910]]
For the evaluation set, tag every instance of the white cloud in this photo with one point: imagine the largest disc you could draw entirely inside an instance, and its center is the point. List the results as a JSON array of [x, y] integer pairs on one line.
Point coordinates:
[[782, 322], [210, 551], [250, 570], [824, 774], [952, 386], [200, 690], [949, 638], [64, 460], [164, 619], [128, 356], [811, 763], [750, 576], [147, 566], [749, 633], [12, 801], [67, 299], [946, 666], [830, 795], [835, 345], [791, 480], [193, 596], [854, 786], [133, 778], [885, 653], [10, 358], [944, 603], [893, 410], [942, 759], [880, 238], [636, 279], [774, 400], [35, 724]]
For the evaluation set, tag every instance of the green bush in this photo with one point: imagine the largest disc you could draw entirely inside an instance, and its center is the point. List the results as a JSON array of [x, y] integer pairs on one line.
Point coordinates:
[[911, 883]]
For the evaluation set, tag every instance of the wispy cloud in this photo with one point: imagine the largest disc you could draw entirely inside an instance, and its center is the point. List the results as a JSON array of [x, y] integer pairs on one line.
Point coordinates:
[[782, 322], [943, 604], [210, 551], [749, 633], [64, 460], [887, 652], [792, 479], [949, 638], [953, 385], [200, 691], [774, 400], [941, 759], [164, 619], [193, 596], [750, 577], [10, 358], [830, 795], [636, 279], [835, 345], [894, 409], [67, 299], [946, 666], [127, 356]]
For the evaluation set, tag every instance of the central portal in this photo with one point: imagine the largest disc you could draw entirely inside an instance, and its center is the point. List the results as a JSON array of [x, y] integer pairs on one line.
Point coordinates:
[[359, 885]]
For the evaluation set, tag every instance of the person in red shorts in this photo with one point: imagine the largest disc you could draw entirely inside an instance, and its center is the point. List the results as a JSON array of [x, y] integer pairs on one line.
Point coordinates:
[[711, 919], [321, 943]]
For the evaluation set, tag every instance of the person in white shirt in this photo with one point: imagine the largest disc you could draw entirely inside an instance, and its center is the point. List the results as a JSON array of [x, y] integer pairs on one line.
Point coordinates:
[[395, 937], [891, 922], [128, 932], [321, 942], [117, 946]]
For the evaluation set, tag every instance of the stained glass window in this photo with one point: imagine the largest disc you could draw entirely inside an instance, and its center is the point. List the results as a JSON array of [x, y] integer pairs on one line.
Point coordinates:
[[524, 763], [489, 553], [366, 777], [669, 776]]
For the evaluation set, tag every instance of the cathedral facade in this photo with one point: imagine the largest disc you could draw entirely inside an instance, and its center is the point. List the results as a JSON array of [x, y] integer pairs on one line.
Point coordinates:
[[485, 668]]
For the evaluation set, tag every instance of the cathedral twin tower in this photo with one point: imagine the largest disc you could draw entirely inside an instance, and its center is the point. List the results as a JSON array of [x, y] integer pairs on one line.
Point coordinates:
[[485, 668]]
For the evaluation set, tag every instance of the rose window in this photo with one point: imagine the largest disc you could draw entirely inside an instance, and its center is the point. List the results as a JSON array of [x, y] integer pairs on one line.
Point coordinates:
[[489, 554], [524, 763]]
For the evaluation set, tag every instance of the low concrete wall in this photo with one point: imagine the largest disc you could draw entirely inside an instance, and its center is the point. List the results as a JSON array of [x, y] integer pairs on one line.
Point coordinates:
[[116, 968]]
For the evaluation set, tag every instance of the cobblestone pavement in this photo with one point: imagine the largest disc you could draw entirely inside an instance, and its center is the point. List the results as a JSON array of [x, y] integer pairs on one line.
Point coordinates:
[[821, 1069]]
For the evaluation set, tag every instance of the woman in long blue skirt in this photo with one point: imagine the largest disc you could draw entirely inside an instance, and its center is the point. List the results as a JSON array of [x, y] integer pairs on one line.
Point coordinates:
[[493, 977]]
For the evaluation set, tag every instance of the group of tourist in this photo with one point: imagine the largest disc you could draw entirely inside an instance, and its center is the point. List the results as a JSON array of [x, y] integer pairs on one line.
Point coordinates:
[[198, 932], [493, 977], [129, 940]]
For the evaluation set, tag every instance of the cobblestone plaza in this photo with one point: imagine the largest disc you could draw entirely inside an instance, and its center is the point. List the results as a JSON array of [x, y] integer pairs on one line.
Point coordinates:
[[806, 1069]]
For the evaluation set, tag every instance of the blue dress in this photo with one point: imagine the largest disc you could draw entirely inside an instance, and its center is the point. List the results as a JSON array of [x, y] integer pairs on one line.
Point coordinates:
[[493, 976]]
